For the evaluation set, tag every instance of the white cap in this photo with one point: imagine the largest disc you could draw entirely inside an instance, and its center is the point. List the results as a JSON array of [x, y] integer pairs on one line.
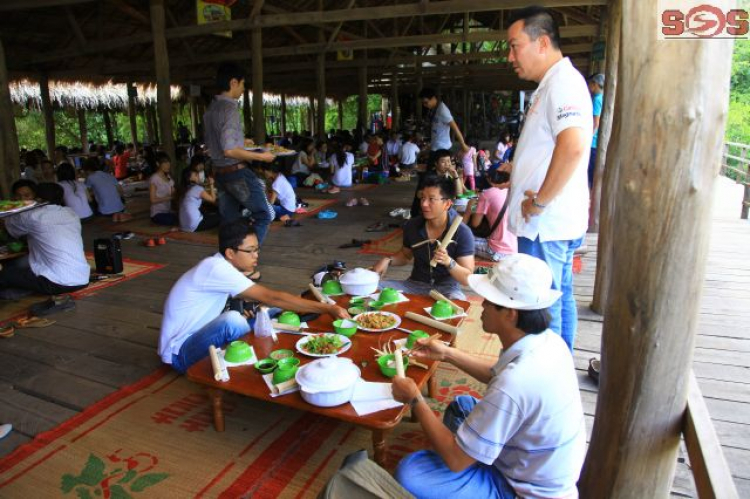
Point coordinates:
[[519, 281]]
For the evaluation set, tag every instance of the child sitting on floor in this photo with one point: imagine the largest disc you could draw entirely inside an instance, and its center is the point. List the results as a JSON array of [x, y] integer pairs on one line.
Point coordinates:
[[161, 191], [190, 196], [281, 192]]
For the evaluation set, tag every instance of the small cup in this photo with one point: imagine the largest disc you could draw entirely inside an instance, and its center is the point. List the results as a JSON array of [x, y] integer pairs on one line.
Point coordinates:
[[411, 341], [388, 295], [332, 288], [357, 302], [376, 304], [289, 317], [346, 331], [442, 309], [285, 370], [265, 365]]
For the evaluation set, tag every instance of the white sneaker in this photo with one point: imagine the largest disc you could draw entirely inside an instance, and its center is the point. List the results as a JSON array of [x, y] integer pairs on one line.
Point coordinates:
[[5, 429], [407, 215], [397, 212]]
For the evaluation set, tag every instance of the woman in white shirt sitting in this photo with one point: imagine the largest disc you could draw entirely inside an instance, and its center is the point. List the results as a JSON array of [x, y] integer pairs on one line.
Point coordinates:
[[342, 162], [281, 195], [305, 163], [190, 196], [76, 195]]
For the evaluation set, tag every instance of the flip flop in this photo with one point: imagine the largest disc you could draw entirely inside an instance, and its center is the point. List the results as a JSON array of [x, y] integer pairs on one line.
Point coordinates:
[[7, 331], [364, 202], [53, 305], [34, 322], [327, 214], [292, 223], [376, 227]]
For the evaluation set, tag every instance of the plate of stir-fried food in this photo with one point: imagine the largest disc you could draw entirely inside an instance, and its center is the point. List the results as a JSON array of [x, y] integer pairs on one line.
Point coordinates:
[[324, 344], [377, 322]]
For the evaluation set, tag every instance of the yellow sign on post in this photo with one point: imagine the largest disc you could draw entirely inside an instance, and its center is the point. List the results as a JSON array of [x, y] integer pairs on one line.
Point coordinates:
[[211, 11]]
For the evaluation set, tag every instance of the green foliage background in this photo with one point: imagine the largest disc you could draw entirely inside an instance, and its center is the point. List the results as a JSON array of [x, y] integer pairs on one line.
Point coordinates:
[[738, 121]]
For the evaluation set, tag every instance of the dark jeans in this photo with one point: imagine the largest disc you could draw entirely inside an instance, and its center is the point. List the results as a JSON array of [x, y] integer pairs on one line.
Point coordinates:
[[18, 275], [210, 220], [241, 189]]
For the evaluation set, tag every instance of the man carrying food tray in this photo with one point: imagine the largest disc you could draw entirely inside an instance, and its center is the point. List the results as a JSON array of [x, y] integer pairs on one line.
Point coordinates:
[[526, 437], [454, 262], [194, 316]]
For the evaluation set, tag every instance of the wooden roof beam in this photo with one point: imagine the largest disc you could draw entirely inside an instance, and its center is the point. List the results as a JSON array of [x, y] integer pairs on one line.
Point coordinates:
[[10, 5], [75, 27]]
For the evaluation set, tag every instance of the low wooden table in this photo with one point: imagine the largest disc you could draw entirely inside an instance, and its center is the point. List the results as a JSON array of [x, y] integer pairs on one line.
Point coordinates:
[[246, 380]]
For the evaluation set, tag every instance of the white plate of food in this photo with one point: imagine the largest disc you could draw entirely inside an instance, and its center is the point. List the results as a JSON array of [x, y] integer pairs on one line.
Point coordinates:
[[377, 322], [323, 344]]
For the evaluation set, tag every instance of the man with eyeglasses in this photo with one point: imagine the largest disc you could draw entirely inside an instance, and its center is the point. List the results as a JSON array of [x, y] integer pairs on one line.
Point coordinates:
[[421, 234], [194, 316]]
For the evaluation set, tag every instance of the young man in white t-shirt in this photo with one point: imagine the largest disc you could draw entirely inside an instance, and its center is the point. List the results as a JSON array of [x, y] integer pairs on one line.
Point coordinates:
[[194, 316], [549, 198]]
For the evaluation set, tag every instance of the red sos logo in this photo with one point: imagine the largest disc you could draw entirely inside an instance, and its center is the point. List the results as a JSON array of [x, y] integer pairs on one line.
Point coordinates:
[[705, 21]]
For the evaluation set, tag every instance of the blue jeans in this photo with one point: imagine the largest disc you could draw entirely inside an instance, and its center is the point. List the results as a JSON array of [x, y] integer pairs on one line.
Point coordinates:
[[227, 327], [425, 474], [241, 189], [559, 257]]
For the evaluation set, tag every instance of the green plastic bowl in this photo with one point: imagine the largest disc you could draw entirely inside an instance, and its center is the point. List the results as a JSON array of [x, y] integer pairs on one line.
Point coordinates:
[[281, 354], [390, 371], [346, 331], [376, 304], [388, 295], [285, 370], [289, 317], [332, 288], [357, 302], [442, 309], [265, 365], [414, 336], [238, 351], [15, 246]]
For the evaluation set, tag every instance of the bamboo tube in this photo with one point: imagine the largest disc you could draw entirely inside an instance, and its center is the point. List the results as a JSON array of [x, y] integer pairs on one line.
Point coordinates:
[[448, 237], [399, 360], [285, 327], [432, 323], [220, 370], [319, 296], [437, 295]]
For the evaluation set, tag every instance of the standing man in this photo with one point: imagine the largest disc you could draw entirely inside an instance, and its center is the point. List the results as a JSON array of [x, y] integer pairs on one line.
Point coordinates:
[[526, 437], [596, 87], [237, 184], [442, 123], [548, 208]]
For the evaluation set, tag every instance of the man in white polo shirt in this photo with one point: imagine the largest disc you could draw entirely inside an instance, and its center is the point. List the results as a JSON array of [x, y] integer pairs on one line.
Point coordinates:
[[526, 437], [549, 197]]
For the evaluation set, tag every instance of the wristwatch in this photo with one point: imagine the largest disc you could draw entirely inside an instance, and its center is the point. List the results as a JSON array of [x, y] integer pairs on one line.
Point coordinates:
[[413, 402], [452, 264]]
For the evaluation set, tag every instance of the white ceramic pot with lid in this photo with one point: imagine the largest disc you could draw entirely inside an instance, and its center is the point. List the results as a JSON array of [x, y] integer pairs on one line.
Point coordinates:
[[328, 382], [360, 281]]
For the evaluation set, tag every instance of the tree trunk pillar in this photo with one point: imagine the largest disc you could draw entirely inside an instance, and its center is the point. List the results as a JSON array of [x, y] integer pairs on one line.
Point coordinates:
[[131, 113], [49, 117], [10, 167], [282, 122], [108, 128], [605, 176], [341, 114], [321, 95], [247, 113], [665, 149], [259, 119], [84, 130], [362, 115], [395, 111], [194, 117], [417, 100], [163, 91]]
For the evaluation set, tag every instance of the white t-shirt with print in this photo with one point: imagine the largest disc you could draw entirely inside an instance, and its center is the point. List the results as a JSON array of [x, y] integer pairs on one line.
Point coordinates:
[[197, 298], [560, 102]]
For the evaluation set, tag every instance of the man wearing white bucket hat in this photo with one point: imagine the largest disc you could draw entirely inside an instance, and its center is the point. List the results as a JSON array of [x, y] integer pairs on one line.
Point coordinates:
[[526, 437]]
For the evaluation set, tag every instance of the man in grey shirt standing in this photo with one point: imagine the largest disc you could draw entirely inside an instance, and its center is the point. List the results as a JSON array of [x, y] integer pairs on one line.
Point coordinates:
[[237, 185]]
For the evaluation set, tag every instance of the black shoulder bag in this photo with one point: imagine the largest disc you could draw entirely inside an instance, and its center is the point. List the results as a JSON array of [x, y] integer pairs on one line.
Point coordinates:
[[484, 230]]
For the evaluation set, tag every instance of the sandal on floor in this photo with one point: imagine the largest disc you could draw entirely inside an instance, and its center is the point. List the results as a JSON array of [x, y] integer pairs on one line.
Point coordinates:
[[594, 367], [352, 202], [376, 227], [52, 306], [7, 331], [292, 223], [34, 322], [364, 202]]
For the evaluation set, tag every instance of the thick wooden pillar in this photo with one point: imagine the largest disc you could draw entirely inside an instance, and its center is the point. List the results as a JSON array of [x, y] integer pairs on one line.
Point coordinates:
[[247, 113], [10, 165], [282, 112], [155, 124], [259, 120], [362, 114], [83, 130], [193, 117], [131, 113], [49, 117], [149, 125], [108, 127], [341, 113], [465, 109], [395, 110], [417, 100], [605, 176], [163, 93], [321, 127], [311, 115], [661, 224]]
